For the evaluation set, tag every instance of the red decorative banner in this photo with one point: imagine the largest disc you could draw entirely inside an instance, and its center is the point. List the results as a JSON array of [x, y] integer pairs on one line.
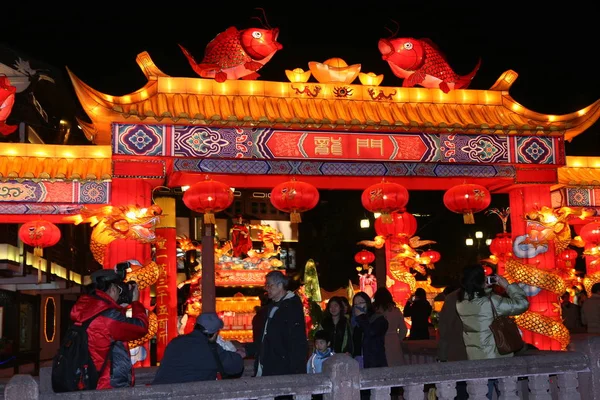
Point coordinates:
[[344, 146]]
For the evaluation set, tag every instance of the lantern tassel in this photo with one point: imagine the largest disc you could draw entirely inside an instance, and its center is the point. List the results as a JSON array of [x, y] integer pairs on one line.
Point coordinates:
[[209, 218], [295, 217], [469, 218], [38, 251], [386, 218]]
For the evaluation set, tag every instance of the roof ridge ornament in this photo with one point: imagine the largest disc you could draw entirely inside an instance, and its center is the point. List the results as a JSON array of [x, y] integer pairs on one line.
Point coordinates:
[[150, 70], [505, 81]]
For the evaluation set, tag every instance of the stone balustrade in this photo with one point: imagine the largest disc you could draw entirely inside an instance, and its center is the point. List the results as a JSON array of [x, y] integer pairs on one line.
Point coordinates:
[[568, 375]]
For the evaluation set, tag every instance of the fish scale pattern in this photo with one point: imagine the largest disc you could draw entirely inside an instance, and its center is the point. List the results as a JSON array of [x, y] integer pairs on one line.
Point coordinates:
[[436, 65], [226, 51]]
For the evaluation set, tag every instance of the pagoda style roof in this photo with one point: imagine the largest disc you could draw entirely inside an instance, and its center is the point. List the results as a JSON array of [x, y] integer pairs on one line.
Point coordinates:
[[579, 172], [315, 106]]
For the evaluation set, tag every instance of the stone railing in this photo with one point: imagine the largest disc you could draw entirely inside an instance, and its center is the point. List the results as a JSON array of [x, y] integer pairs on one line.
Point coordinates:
[[569, 375]]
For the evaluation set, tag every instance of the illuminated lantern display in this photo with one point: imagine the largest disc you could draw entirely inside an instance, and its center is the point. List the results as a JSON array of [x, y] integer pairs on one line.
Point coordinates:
[[7, 100], [467, 199], [403, 224], [208, 197], [385, 198], [590, 233], [434, 256], [39, 234], [502, 245], [364, 258], [568, 256], [487, 270], [294, 197]]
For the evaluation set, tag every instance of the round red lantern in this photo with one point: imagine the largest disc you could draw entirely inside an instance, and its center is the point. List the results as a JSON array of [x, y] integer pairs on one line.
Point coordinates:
[[403, 224], [501, 245], [590, 233], [487, 270], [208, 197], [385, 198], [294, 197], [364, 257], [467, 199], [569, 256], [433, 256], [39, 234]]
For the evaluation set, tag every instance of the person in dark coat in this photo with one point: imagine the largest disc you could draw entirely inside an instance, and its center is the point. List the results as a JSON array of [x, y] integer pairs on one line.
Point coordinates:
[[337, 326], [283, 349], [371, 328], [196, 356], [419, 311]]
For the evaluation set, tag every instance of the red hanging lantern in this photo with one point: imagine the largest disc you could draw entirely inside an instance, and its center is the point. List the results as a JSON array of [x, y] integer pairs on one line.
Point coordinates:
[[39, 234], [364, 257], [487, 270], [208, 197], [404, 224], [467, 199], [433, 256], [294, 197], [385, 198], [569, 256], [590, 233], [501, 245]]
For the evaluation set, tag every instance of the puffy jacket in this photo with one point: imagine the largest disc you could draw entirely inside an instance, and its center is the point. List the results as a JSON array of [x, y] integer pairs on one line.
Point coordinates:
[[476, 316], [110, 325], [314, 365]]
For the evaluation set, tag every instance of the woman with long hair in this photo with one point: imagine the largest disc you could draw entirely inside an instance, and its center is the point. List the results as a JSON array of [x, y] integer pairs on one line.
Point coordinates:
[[418, 309], [337, 326], [384, 303], [369, 328]]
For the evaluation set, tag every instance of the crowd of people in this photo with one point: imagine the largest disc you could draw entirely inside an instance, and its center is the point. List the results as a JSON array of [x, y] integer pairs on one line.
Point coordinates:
[[370, 330]]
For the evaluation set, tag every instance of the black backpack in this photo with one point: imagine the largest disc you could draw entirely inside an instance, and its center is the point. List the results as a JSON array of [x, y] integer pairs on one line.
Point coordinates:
[[72, 366]]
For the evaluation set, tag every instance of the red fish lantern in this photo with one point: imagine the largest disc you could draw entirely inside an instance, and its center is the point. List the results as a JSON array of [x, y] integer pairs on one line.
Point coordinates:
[[404, 224], [39, 234], [419, 62], [385, 198], [7, 100], [501, 245], [294, 197], [364, 258], [234, 54], [467, 199], [569, 256], [432, 255], [208, 197], [590, 233]]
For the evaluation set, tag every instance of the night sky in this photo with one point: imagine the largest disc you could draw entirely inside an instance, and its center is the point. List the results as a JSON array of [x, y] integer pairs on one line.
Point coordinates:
[[553, 49]]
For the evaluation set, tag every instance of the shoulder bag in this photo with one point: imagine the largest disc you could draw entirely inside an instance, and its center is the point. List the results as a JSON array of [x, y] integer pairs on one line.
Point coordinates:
[[506, 332]]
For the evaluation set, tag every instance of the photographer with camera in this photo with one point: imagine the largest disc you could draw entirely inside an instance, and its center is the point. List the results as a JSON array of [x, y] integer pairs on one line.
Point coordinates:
[[110, 330]]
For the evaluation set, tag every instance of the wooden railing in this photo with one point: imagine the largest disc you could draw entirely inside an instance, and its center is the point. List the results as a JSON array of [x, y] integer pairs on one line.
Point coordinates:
[[568, 375]]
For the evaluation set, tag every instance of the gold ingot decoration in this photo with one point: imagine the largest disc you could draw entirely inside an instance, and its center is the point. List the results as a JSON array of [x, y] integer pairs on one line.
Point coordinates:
[[297, 75], [533, 276], [145, 276], [334, 70], [152, 328], [370, 79], [546, 326]]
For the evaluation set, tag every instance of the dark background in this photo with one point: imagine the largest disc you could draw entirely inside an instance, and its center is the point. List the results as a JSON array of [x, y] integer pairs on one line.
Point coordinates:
[[552, 48]]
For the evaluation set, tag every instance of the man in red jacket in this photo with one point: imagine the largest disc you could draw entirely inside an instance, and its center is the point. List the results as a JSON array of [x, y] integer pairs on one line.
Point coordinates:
[[111, 329]]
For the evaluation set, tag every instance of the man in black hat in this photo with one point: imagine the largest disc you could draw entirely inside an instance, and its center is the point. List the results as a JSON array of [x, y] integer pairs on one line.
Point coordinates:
[[110, 330], [197, 356]]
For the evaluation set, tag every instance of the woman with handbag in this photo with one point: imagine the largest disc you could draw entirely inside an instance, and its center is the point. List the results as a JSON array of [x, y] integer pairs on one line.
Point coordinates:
[[478, 307]]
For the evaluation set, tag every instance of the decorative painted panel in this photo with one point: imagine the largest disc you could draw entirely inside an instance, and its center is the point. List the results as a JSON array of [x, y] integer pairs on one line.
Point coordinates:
[[273, 144], [582, 197], [317, 168], [33, 209], [54, 192]]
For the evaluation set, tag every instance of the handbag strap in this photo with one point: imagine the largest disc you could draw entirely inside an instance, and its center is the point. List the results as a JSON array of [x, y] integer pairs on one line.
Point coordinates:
[[494, 312]]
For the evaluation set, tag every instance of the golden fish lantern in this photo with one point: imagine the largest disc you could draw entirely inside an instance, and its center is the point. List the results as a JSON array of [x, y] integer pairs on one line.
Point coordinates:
[[334, 70], [370, 79], [297, 75]]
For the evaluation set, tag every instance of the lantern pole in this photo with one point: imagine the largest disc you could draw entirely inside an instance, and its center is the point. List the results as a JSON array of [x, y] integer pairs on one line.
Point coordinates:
[[208, 268]]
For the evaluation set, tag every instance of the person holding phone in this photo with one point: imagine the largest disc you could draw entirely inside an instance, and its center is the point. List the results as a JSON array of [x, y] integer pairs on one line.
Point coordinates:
[[419, 311], [369, 329]]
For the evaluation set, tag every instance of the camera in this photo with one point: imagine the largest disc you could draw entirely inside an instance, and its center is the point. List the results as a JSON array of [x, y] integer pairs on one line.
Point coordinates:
[[125, 288], [491, 280]]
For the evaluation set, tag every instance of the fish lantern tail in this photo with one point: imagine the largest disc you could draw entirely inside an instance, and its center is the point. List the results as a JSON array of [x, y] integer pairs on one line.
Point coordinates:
[[295, 217], [386, 218], [209, 218], [468, 218]]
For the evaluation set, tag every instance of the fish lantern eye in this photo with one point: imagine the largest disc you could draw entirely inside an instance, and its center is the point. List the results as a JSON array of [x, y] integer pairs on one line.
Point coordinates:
[[256, 34], [408, 46]]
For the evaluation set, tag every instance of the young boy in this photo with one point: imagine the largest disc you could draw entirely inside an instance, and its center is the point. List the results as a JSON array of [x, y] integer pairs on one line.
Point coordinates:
[[321, 353]]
